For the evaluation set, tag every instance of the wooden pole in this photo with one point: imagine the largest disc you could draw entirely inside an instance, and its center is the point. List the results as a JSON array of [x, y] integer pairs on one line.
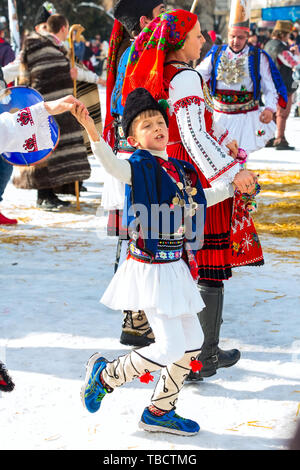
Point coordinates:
[[79, 30], [193, 9], [194, 6]]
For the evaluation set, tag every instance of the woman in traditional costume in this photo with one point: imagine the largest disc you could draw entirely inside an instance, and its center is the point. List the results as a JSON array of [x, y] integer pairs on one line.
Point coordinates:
[[159, 61]]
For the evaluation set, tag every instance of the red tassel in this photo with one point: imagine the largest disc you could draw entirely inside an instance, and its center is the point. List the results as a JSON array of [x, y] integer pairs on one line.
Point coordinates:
[[146, 378], [282, 103], [196, 366]]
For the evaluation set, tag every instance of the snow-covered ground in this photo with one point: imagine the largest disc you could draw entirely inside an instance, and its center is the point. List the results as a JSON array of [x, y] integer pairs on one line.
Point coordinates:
[[54, 268]]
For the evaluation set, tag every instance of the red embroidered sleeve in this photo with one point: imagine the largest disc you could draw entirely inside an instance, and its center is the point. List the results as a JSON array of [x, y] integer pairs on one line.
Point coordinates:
[[25, 117], [187, 101], [30, 144]]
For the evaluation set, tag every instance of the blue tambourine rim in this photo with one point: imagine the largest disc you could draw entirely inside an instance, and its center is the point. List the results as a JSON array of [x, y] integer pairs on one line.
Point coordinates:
[[24, 156]]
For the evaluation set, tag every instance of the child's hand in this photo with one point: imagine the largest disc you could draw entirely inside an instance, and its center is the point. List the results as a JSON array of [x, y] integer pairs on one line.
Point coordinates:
[[233, 147], [82, 115]]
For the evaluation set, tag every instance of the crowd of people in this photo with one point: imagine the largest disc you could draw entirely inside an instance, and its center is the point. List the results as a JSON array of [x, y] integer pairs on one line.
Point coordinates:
[[93, 54], [44, 64], [173, 134]]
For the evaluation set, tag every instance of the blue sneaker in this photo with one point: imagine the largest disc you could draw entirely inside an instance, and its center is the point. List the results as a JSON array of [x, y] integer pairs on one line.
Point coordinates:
[[169, 422], [92, 392]]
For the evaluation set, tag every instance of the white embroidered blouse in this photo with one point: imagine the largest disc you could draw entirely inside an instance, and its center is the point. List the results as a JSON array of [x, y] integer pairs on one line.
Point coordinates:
[[187, 101], [14, 133]]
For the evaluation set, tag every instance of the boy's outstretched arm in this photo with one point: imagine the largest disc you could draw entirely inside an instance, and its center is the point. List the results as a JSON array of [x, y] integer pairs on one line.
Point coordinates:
[[120, 169]]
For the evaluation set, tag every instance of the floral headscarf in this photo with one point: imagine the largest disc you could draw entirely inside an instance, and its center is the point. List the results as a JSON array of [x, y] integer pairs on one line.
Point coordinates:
[[164, 34]]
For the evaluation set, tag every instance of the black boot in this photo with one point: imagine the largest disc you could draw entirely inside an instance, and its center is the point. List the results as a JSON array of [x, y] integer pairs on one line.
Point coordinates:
[[47, 200], [212, 357]]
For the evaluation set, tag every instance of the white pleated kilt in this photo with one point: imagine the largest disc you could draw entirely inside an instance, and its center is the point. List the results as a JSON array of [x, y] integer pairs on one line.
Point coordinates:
[[114, 190], [244, 129], [169, 288]]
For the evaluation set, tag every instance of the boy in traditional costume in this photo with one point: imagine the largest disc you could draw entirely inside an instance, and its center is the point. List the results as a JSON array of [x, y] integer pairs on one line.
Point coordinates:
[[154, 277]]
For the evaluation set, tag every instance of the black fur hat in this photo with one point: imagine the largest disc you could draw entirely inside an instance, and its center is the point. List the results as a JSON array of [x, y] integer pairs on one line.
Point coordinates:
[[129, 12], [41, 16], [140, 100]]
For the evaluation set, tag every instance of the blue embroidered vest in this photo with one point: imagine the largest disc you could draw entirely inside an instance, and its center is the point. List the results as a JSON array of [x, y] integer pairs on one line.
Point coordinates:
[[254, 71], [153, 188]]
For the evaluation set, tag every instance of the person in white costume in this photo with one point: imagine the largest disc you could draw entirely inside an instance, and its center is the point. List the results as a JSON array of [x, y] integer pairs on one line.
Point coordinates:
[[237, 74], [12, 138]]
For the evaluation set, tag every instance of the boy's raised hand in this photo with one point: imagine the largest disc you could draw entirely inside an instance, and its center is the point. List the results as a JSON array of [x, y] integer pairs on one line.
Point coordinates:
[[82, 115]]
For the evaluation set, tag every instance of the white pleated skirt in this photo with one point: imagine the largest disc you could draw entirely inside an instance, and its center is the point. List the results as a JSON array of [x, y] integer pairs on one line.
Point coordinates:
[[169, 288], [113, 190], [244, 129]]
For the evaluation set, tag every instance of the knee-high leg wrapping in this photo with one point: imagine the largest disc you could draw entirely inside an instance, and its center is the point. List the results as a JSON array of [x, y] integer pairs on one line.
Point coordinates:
[[129, 367], [171, 380]]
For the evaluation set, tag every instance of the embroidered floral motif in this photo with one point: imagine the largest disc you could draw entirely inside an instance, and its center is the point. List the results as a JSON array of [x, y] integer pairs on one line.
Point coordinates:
[[30, 144], [167, 32], [233, 97], [25, 117], [187, 101]]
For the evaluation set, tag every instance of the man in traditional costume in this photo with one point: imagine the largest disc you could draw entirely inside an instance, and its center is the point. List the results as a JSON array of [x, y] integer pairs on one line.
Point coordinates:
[[237, 74], [131, 16], [286, 60]]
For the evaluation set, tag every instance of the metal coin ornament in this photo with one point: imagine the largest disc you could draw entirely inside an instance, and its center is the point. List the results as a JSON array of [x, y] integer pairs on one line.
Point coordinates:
[[15, 99]]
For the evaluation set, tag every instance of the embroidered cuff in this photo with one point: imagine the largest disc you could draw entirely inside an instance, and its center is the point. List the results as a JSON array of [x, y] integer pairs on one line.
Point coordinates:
[[40, 119], [226, 175]]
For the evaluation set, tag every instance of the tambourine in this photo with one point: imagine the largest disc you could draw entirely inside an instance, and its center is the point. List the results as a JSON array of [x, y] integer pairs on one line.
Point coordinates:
[[12, 100]]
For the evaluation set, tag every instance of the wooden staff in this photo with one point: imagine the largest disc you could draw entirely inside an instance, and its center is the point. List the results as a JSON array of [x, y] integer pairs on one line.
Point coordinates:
[[79, 30], [194, 6]]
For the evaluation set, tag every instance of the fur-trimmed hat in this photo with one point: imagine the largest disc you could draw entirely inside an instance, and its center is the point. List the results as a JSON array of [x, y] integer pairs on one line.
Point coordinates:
[[129, 12], [140, 100]]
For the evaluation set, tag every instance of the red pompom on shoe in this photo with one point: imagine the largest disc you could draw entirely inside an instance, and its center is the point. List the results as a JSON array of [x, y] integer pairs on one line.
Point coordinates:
[[6, 221], [146, 378], [195, 365]]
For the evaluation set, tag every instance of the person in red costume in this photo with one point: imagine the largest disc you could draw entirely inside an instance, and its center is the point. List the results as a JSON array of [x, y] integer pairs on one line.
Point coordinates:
[[159, 61]]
